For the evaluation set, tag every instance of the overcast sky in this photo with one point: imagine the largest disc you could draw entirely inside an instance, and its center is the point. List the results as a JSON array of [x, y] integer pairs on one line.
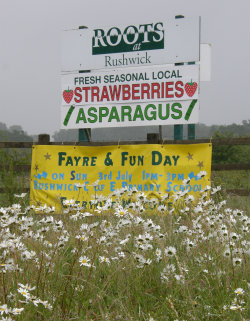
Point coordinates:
[[30, 33]]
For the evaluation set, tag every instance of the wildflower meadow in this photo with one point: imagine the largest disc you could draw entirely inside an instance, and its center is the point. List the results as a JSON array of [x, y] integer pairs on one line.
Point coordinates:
[[128, 257]]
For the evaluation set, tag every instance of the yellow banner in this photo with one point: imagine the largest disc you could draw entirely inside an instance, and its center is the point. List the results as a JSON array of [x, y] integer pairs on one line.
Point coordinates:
[[80, 173]]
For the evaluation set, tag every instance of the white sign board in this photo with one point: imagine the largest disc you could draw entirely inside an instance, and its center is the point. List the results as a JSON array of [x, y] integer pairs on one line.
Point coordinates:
[[141, 44], [158, 95]]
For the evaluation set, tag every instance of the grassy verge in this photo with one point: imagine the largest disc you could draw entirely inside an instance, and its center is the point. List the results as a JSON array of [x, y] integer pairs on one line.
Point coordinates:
[[232, 179], [142, 262]]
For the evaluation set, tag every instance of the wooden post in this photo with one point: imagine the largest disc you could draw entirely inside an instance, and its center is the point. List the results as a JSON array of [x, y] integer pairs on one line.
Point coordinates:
[[160, 133], [178, 129], [178, 132], [153, 138], [191, 131], [43, 139], [84, 135]]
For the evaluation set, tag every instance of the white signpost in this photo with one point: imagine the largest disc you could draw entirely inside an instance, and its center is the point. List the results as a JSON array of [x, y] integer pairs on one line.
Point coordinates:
[[160, 42], [157, 95]]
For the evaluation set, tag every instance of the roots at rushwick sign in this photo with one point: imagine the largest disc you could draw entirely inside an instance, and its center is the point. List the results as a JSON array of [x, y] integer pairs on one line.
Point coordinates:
[[165, 41], [131, 38], [158, 95]]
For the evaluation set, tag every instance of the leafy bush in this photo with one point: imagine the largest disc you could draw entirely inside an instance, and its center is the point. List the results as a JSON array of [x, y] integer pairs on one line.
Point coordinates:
[[229, 154]]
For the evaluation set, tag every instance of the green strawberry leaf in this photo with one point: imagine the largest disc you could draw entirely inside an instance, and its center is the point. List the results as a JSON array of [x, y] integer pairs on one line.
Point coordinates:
[[190, 83]]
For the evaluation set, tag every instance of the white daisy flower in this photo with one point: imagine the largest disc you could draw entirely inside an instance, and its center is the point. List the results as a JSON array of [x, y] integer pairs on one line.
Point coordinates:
[[237, 261], [170, 251], [104, 259], [84, 261], [239, 291]]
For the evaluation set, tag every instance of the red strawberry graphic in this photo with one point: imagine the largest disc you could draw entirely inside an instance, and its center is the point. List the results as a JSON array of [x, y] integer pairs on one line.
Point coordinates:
[[68, 95], [190, 88]]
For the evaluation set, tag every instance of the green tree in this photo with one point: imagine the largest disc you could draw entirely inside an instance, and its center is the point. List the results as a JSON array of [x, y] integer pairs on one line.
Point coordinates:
[[229, 154]]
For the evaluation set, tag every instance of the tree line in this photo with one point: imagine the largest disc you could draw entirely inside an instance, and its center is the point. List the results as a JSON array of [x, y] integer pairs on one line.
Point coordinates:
[[221, 154], [16, 133]]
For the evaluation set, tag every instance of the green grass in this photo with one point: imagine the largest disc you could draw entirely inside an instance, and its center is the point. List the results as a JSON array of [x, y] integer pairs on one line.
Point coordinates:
[[237, 179], [13, 181], [234, 179]]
